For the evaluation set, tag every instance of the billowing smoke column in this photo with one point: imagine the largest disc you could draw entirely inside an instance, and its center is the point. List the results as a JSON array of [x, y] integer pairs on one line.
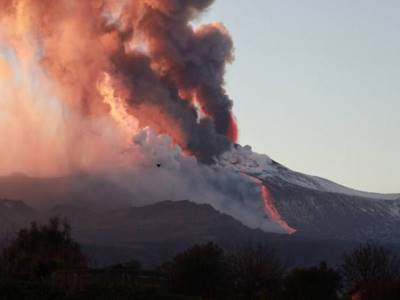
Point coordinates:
[[169, 74], [115, 88]]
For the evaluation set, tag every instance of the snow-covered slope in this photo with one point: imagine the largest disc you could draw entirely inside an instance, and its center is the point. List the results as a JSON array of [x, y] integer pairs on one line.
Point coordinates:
[[243, 159], [317, 207]]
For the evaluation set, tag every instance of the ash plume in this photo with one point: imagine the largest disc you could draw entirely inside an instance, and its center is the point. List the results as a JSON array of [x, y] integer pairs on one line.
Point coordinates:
[[127, 91], [168, 73]]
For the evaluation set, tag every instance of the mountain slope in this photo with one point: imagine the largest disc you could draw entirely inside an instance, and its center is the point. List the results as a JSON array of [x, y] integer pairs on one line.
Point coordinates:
[[335, 215], [244, 160], [154, 233], [48, 192], [317, 207]]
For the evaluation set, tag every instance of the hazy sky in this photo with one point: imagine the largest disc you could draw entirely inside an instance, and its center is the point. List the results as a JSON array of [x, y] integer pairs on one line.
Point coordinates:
[[316, 85]]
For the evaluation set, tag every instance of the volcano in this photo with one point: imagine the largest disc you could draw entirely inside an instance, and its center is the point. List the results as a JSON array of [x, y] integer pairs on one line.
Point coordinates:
[[310, 206], [114, 225], [109, 108]]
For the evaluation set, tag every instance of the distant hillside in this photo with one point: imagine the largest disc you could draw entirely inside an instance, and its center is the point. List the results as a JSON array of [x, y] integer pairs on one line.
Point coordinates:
[[44, 193], [154, 233], [15, 215], [317, 213]]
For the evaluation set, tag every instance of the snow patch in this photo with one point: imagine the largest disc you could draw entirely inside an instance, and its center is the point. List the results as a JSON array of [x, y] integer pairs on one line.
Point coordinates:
[[243, 159]]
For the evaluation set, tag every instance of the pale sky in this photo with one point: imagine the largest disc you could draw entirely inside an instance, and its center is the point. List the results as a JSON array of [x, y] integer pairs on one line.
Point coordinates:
[[316, 85]]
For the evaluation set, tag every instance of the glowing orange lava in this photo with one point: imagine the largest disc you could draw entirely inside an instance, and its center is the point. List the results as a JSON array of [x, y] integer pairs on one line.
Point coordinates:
[[118, 109], [233, 131], [269, 206]]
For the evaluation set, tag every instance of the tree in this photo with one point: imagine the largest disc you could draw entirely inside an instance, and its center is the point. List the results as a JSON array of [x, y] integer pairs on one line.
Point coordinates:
[[256, 272], [369, 263], [313, 283], [39, 251], [199, 271]]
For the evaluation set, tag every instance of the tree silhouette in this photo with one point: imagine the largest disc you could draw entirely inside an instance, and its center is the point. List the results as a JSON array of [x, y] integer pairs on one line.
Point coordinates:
[[39, 251], [367, 264], [313, 283], [199, 271], [256, 272]]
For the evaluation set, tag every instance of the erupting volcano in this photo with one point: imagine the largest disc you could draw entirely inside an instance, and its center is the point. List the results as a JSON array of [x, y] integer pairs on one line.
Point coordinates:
[[104, 85]]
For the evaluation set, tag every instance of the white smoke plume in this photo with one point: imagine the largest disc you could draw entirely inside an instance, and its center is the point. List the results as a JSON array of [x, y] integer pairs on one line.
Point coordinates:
[[165, 173]]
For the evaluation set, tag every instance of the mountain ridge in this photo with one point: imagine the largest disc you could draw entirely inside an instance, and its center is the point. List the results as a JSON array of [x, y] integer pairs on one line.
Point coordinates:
[[315, 207], [154, 233]]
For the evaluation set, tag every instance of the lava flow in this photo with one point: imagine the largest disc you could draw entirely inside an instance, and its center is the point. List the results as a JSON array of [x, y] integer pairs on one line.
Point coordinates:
[[269, 206]]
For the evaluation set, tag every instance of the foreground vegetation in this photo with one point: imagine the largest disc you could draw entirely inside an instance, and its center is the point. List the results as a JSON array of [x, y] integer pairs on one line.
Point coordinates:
[[44, 262]]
